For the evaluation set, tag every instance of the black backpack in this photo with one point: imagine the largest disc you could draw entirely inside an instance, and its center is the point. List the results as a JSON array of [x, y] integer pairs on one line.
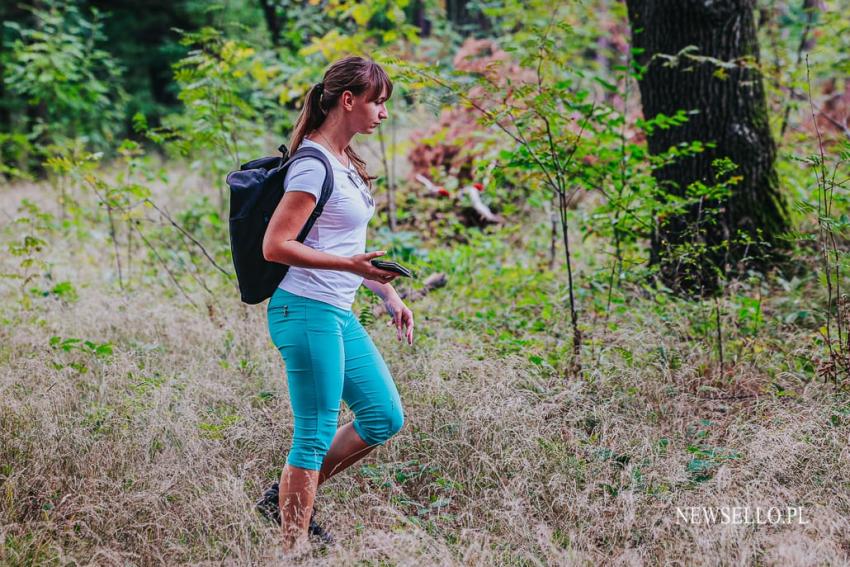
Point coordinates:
[[255, 191]]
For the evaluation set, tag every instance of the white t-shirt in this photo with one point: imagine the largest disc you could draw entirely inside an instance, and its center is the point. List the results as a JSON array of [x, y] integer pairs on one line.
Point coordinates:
[[339, 230]]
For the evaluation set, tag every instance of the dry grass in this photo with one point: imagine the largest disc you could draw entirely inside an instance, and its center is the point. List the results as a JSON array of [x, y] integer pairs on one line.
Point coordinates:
[[155, 453]]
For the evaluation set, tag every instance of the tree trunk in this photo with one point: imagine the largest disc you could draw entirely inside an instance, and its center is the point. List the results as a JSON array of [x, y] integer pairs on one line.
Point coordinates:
[[731, 112], [270, 13], [466, 20], [417, 17]]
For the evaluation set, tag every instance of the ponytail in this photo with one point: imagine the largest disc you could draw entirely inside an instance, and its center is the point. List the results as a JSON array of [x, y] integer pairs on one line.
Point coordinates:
[[311, 117]]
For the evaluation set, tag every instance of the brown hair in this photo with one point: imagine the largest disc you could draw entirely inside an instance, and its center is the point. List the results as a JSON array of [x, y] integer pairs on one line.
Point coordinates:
[[353, 73]]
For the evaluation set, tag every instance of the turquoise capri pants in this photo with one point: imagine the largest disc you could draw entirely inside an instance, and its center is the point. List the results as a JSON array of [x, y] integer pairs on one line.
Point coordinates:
[[329, 356]]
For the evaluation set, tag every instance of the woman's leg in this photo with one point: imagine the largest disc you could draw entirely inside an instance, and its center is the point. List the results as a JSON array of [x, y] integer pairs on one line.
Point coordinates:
[[347, 448], [372, 395], [309, 336], [297, 493]]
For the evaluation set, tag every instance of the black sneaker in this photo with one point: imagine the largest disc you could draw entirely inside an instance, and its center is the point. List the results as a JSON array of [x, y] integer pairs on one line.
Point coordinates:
[[317, 532], [269, 507]]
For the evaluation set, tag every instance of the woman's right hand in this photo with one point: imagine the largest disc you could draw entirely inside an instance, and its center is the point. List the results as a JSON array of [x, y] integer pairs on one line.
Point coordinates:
[[362, 266]]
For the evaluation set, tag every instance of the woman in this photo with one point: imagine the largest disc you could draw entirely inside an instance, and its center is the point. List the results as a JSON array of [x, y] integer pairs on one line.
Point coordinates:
[[327, 352]]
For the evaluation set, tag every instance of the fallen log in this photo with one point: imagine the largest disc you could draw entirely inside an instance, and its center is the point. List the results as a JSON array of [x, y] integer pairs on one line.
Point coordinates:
[[472, 191]]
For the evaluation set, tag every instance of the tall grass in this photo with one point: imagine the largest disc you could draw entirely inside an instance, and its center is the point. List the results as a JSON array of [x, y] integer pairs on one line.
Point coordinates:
[[149, 443]]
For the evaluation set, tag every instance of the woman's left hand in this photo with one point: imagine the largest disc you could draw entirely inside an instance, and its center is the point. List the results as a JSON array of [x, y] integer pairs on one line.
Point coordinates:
[[401, 315]]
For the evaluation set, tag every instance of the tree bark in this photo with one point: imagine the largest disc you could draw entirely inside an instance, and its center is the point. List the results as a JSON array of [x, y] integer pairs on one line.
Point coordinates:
[[731, 112]]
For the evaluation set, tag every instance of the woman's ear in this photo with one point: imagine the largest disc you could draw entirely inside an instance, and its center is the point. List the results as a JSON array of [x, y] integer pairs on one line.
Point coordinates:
[[347, 100]]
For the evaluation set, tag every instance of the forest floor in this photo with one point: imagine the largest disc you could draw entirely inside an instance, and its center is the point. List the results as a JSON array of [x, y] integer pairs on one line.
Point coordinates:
[[150, 443]]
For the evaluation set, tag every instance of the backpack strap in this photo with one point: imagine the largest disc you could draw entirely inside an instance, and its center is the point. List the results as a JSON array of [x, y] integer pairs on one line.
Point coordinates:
[[327, 185]]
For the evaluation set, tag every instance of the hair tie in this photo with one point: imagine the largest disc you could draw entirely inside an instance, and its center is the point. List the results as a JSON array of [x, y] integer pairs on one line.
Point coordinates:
[[320, 88]]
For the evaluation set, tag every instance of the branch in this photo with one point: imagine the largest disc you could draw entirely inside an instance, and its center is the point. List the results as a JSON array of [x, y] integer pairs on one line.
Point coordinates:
[[809, 10], [190, 237], [164, 265], [837, 123]]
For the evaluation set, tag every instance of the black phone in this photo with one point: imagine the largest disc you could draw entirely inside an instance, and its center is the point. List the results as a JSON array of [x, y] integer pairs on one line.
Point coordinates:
[[392, 267]]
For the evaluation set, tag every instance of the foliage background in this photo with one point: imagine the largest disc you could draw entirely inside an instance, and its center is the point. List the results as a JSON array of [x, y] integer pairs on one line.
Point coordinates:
[[144, 408]]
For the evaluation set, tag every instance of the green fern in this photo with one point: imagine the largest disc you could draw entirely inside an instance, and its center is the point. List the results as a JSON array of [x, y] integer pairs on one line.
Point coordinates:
[[366, 316]]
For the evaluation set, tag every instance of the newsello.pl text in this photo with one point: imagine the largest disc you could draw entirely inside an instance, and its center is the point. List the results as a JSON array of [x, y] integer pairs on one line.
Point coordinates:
[[743, 515]]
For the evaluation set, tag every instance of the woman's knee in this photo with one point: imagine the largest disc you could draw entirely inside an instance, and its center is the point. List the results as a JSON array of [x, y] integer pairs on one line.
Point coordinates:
[[394, 420], [380, 425]]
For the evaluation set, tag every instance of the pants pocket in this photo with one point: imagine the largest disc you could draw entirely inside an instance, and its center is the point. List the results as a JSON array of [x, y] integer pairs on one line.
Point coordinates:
[[284, 319]]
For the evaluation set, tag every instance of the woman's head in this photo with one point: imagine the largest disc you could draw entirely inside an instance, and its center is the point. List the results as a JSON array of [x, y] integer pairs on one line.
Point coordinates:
[[353, 92]]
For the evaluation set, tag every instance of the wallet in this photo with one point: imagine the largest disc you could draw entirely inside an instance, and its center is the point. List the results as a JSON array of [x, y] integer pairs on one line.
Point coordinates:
[[392, 267]]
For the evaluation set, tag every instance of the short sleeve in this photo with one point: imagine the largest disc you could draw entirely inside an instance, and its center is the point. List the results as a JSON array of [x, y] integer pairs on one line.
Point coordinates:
[[307, 175]]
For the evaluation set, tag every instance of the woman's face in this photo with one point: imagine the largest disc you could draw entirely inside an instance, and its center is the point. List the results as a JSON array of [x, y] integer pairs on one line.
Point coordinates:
[[368, 114]]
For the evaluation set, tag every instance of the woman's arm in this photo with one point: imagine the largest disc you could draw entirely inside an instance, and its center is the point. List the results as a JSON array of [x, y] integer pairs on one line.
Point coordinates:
[[400, 313], [383, 290], [280, 243]]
